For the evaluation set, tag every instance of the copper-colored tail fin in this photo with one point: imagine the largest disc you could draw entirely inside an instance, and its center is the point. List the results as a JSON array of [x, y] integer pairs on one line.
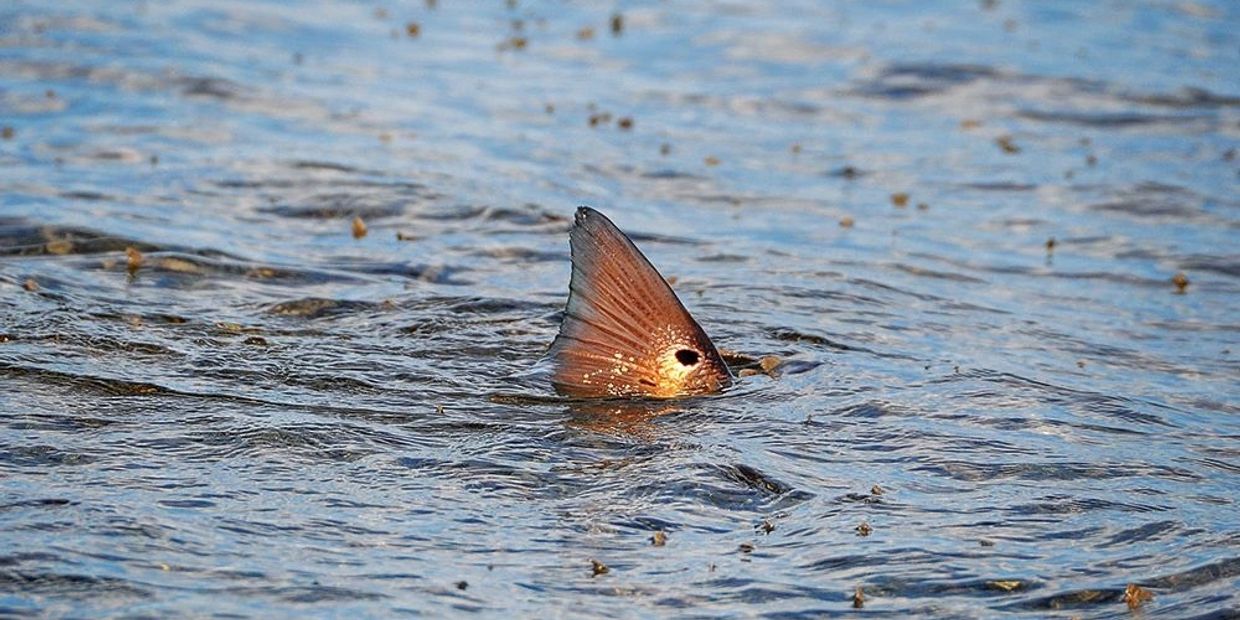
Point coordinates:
[[625, 334]]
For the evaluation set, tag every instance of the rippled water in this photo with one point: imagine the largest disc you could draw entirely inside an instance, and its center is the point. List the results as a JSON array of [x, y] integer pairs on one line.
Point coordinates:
[[262, 415]]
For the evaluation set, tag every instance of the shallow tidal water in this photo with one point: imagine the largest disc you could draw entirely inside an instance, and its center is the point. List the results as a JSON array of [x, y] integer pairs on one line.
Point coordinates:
[[955, 226]]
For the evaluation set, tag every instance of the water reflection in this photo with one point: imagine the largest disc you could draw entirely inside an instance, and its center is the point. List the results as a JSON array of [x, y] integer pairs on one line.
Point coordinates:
[[630, 418]]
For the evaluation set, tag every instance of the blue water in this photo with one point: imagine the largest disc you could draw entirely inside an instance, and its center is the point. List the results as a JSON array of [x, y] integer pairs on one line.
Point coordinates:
[[266, 416]]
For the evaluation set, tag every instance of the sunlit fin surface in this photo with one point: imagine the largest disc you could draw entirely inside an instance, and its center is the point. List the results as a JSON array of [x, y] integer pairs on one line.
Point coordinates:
[[625, 334]]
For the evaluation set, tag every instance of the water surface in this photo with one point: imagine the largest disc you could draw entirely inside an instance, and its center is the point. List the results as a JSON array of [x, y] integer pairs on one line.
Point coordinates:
[[265, 416]]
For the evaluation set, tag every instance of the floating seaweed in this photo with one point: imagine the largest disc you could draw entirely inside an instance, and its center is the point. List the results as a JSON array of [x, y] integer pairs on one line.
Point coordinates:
[[1181, 283], [133, 260], [1136, 596]]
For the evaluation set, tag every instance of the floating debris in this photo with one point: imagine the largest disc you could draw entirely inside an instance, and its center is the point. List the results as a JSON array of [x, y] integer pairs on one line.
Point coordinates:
[[598, 568], [513, 43], [30, 285], [585, 34], [766, 527], [1050, 245], [1181, 283], [133, 260], [1080, 363], [658, 539], [864, 529], [921, 206], [769, 363], [899, 200], [1006, 585], [746, 548], [795, 148], [617, 24], [413, 29], [969, 123], [462, 585], [549, 108], [6, 132], [876, 490], [1136, 596], [59, 247], [1005, 143], [625, 123], [234, 327], [359, 227], [665, 148], [600, 118], [179, 265], [858, 598], [255, 341], [711, 160], [847, 222]]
